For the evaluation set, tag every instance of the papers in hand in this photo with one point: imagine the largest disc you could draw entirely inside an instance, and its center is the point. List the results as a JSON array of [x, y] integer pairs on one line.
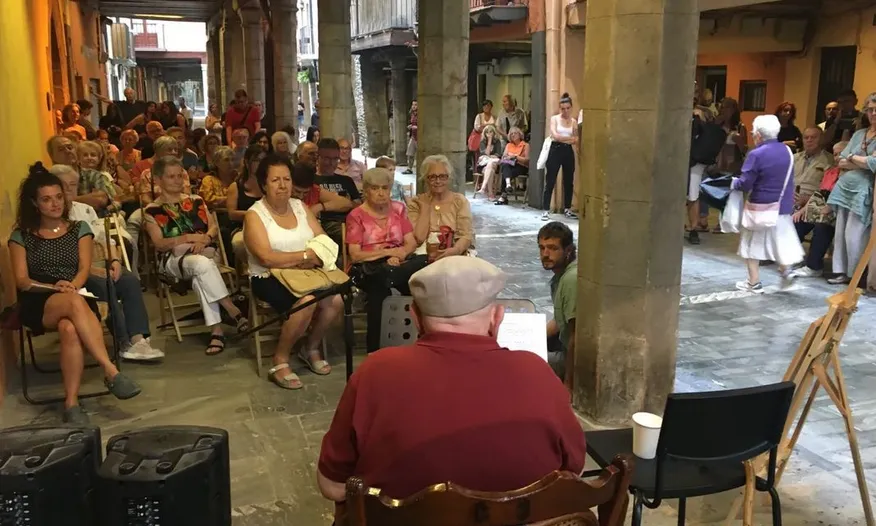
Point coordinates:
[[82, 292], [524, 332]]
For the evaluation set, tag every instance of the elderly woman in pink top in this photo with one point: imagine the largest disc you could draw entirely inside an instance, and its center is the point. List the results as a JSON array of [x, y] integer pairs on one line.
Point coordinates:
[[380, 239]]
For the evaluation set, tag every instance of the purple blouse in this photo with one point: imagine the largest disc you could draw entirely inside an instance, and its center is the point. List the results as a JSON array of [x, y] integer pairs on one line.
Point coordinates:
[[763, 174]]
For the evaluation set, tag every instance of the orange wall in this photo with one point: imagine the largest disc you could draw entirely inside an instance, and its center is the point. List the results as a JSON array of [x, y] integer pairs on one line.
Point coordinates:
[[751, 66]]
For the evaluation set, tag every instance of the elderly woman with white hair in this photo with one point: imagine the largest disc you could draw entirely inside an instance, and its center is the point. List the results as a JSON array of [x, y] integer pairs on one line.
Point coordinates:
[[283, 145], [852, 198], [515, 161], [380, 238], [767, 177], [441, 217]]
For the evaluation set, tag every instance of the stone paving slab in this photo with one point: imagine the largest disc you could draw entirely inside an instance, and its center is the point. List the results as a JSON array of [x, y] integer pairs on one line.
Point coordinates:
[[724, 341]]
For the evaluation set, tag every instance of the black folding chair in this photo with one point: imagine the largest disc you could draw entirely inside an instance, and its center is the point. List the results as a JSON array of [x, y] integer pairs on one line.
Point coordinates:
[[704, 441]]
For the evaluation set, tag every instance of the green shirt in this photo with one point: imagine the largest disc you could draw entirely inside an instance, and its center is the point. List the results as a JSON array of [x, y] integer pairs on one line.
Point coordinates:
[[564, 294]]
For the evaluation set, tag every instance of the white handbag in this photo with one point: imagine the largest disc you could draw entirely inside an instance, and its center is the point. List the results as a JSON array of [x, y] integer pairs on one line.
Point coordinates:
[[731, 217], [763, 216], [543, 155]]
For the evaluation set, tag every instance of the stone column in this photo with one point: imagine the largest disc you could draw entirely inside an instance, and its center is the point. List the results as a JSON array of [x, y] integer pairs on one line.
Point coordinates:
[[639, 62], [284, 18], [254, 53], [374, 104], [212, 92], [400, 107], [335, 70], [232, 55], [442, 83]]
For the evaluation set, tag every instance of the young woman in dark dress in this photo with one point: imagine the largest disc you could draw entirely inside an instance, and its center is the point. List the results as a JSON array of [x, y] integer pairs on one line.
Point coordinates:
[[51, 260]]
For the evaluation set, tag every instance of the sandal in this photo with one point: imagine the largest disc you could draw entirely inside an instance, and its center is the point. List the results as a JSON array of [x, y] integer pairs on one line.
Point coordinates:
[[242, 323], [320, 366], [290, 381], [219, 347]]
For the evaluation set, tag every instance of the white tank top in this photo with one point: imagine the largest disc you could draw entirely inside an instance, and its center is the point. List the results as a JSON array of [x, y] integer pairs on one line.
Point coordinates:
[[281, 239], [566, 131]]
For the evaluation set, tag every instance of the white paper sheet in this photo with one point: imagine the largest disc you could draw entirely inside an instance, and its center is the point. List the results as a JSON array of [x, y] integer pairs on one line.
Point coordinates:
[[524, 332]]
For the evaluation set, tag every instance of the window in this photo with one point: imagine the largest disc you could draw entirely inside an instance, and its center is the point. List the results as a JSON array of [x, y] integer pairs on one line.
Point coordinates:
[[752, 95]]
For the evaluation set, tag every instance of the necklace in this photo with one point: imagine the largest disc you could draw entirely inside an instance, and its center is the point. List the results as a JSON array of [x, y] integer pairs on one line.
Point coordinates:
[[274, 210], [56, 229]]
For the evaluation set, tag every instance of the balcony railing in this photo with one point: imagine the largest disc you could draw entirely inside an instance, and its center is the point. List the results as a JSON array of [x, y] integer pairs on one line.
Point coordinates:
[[375, 16], [477, 4]]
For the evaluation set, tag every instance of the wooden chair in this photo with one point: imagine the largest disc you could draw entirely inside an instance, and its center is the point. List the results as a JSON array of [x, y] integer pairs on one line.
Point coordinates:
[[560, 498], [115, 234], [348, 264]]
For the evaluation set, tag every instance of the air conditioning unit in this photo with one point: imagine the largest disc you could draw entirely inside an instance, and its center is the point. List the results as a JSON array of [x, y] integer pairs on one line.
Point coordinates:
[[123, 44]]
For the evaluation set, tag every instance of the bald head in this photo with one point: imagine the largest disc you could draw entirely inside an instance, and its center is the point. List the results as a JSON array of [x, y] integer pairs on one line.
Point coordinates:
[[307, 153]]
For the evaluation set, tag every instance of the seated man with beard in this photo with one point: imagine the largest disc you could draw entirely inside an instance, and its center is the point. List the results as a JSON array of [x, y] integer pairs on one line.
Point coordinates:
[[454, 406]]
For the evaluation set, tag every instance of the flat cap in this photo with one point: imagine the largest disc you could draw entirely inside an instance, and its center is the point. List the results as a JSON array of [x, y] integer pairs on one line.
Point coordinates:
[[455, 286]]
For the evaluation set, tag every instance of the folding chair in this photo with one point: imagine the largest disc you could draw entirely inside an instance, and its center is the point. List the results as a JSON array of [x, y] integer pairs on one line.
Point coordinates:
[[228, 272], [115, 234]]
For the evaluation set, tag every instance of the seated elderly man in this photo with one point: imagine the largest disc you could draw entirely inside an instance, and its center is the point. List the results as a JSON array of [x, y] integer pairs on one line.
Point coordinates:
[[307, 153], [95, 189], [454, 406], [809, 166]]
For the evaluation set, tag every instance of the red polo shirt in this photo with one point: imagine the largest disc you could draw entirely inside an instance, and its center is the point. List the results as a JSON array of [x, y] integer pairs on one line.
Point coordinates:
[[248, 118], [452, 407]]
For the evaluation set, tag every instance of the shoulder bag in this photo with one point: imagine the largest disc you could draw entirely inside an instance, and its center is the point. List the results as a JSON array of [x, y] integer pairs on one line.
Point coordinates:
[[762, 216]]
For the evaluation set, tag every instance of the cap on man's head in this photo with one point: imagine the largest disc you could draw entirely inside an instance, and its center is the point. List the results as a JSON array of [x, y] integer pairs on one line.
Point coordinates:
[[455, 286]]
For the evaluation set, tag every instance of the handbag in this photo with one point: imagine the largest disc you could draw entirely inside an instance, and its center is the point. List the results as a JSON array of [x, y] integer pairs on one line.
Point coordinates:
[[302, 282], [731, 217], [762, 216], [543, 155], [474, 141]]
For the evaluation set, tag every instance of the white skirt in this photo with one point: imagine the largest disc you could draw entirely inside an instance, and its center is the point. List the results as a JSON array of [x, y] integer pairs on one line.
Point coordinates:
[[779, 243]]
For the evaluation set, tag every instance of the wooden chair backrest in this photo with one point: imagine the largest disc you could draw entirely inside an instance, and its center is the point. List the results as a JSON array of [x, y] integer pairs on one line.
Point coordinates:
[[559, 498], [409, 190], [219, 241]]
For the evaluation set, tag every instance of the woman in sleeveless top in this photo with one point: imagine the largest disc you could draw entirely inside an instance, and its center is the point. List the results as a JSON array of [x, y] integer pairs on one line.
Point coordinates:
[[51, 261], [564, 133], [276, 230]]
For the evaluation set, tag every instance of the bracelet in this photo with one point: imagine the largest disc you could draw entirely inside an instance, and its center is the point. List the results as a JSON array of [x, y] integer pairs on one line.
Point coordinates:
[[115, 261]]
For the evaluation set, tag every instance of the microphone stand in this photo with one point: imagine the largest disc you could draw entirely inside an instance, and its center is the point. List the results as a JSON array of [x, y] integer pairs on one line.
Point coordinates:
[[111, 291], [345, 290]]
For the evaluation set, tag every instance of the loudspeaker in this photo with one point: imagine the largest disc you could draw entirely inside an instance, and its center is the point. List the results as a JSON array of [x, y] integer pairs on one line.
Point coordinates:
[[169, 475], [47, 475]]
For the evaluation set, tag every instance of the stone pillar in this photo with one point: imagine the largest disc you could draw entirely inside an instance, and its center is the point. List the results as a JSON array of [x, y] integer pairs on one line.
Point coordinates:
[[538, 114], [442, 83], [400, 107], [232, 55], [335, 70], [285, 28], [374, 104], [212, 92], [639, 62], [254, 53]]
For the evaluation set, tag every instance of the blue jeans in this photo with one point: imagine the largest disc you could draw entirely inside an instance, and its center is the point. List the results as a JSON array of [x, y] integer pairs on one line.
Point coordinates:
[[127, 316]]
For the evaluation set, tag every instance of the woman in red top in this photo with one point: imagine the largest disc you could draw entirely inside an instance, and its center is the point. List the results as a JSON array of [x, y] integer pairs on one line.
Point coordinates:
[[380, 238]]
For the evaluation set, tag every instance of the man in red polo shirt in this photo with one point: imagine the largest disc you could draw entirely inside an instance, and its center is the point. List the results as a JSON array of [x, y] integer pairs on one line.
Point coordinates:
[[455, 406], [241, 114]]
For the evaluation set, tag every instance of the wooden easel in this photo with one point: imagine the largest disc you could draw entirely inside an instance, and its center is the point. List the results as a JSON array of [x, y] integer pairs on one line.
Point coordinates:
[[811, 369]]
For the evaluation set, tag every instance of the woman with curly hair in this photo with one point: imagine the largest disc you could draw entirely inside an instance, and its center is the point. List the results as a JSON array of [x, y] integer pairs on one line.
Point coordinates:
[[70, 121], [790, 134], [51, 261]]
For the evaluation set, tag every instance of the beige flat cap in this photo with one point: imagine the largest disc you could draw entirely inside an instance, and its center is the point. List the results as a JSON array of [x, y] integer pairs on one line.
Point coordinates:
[[455, 286]]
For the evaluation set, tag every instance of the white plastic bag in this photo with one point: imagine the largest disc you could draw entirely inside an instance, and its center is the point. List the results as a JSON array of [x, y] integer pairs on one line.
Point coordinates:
[[731, 217], [542, 157]]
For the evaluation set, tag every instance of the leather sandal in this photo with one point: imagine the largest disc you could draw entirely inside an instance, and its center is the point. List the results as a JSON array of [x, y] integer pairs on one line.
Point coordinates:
[[215, 348], [290, 381], [320, 367]]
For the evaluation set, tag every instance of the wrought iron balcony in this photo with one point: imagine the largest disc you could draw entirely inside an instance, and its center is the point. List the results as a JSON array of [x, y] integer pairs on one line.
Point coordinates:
[[488, 12]]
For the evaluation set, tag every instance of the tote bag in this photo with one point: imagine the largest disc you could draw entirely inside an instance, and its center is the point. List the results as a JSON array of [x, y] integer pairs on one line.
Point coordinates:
[[543, 155], [763, 216], [731, 217]]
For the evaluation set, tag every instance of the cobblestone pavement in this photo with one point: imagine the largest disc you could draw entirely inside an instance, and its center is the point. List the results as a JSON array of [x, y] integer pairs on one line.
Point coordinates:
[[726, 340]]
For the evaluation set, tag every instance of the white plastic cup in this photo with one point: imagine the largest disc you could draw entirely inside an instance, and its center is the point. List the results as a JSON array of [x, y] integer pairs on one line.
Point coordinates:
[[646, 433]]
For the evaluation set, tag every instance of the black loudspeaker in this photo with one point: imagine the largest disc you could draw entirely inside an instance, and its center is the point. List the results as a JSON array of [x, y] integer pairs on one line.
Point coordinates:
[[47, 475], [166, 476]]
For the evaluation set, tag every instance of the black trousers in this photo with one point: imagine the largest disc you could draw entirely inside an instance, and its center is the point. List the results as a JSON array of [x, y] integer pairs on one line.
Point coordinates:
[[560, 155], [822, 237], [376, 281], [510, 172]]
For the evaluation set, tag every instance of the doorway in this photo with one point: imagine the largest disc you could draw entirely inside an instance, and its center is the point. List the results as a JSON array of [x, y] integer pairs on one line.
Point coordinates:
[[837, 73], [713, 78]]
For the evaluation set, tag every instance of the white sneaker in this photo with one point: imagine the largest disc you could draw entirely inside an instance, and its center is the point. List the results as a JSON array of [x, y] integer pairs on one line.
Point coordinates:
[[757, 288], [142, 351], [806, 272], [545, 216]]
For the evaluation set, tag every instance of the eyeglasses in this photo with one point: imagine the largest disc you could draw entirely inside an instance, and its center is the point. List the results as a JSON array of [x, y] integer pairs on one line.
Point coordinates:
[[437, 177], [869, 110]]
